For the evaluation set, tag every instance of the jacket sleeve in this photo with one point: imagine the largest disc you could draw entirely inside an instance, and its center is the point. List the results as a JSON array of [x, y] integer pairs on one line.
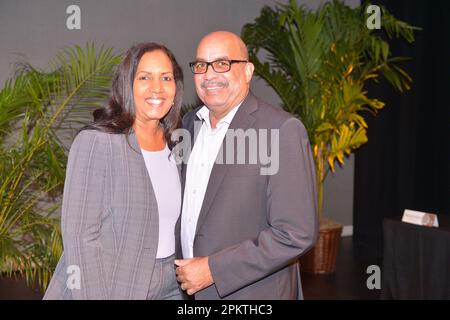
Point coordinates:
[[82, 210], [291, 216]]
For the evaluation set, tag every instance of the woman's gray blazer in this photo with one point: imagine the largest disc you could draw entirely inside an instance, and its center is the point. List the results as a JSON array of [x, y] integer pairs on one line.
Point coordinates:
[[109, 221]]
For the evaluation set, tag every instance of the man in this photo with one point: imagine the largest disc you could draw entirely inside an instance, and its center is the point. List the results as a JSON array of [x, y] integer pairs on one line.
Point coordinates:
[[242, 229]]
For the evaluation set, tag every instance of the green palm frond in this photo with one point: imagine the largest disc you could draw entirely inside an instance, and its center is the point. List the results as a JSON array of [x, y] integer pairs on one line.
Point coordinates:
[[318, 62], [45, 108]]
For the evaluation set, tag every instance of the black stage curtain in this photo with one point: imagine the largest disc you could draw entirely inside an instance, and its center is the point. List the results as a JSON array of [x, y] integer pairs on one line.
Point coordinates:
[[406, 163]]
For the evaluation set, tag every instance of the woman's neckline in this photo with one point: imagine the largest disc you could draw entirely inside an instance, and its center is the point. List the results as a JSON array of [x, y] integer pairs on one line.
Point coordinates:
[[155, 151]]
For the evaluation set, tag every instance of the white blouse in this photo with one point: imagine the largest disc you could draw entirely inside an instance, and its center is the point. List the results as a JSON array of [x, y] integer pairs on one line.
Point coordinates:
[[165, 180]]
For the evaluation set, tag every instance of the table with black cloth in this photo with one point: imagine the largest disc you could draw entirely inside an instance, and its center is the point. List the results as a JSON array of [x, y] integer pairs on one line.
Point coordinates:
[[416, 261]]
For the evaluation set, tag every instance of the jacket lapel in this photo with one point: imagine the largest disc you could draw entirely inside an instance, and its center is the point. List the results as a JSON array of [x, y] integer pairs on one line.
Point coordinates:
[[191, 128], [242, 120]]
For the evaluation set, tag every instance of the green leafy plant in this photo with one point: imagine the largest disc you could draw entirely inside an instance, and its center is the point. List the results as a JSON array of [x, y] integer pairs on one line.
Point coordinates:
[[39, 114], [319, 63]]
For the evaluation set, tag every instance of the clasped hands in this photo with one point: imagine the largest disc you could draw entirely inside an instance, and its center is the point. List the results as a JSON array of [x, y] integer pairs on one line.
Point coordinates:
[[193, 274]]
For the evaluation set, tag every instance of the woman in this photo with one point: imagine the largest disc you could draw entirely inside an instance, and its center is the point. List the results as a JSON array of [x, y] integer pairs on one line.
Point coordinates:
[[122, 192]]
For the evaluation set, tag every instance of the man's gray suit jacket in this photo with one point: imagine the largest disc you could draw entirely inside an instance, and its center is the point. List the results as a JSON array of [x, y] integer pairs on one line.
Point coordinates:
[[254, 227]]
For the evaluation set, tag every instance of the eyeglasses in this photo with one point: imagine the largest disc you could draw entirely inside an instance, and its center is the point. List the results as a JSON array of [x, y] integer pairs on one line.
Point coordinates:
[[219, 66]]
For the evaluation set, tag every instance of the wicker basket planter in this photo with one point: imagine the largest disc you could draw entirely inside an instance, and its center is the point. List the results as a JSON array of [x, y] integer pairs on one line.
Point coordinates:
[[321, 259]]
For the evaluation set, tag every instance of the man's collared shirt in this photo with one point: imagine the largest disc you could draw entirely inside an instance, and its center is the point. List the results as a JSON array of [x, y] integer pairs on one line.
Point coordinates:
[[200, 164]]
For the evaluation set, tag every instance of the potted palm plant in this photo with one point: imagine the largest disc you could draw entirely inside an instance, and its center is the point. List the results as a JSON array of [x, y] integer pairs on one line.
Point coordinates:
[[319, 63], [40, 111]]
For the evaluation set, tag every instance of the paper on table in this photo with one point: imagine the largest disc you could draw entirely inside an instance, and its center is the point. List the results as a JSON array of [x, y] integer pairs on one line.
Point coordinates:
[[420, 218]]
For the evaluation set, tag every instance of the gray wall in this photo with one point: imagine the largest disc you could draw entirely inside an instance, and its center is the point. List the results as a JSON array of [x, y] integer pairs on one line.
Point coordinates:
[[36, 30]]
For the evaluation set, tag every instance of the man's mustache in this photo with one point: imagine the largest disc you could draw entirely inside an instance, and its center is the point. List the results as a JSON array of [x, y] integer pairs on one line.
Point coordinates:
[[212, 83]]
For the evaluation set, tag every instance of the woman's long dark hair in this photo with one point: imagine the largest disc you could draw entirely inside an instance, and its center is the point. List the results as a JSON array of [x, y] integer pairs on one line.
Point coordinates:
[[119, 115]]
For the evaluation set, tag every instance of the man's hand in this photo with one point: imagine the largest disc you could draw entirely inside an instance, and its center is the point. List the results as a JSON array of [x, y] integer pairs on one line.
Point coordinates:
[[193, 274]]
